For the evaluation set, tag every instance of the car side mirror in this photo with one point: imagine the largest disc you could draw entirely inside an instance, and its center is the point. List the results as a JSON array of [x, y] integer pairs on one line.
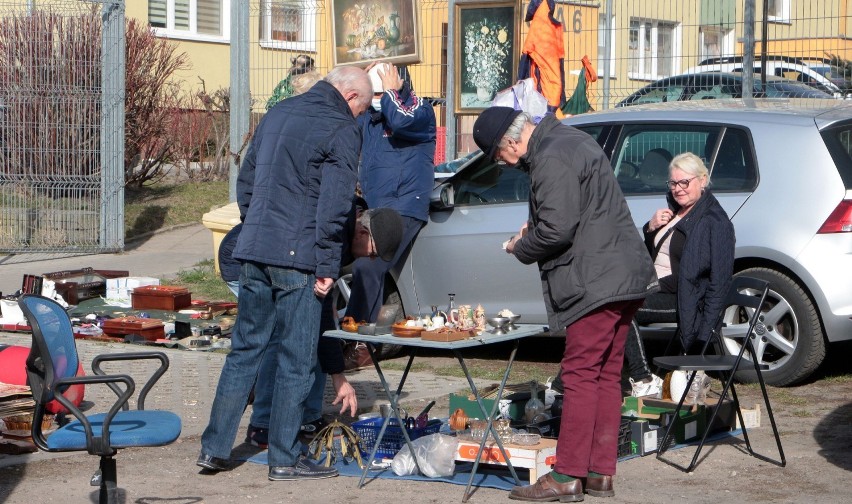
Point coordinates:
[[443, 197]]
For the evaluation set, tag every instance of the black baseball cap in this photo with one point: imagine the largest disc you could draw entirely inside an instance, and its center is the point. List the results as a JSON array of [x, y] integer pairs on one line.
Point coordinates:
[[490, 127]]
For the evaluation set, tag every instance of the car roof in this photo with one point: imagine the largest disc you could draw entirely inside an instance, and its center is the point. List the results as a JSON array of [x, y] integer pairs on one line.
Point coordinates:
[[823, 112]]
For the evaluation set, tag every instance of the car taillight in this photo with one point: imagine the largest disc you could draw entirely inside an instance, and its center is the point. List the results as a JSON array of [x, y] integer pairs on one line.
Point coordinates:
[[840, 220]]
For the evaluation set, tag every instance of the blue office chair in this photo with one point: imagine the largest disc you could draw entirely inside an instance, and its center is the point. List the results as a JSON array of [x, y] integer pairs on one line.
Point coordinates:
[[51, 368]]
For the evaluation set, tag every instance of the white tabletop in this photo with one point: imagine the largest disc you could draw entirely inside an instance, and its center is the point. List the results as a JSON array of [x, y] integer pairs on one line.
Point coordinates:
[[522, 331]]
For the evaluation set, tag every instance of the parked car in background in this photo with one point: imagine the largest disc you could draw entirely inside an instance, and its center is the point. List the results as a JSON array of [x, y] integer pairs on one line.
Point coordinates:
[[816, 73], [782, 171], [716, 86]]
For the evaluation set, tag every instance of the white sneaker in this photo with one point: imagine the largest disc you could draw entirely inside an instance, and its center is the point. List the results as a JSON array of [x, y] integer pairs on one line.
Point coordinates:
[[652, 387]]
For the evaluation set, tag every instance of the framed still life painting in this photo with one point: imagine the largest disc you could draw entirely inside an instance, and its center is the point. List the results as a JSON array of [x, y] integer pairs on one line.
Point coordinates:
[[486, 35], [365, 31]]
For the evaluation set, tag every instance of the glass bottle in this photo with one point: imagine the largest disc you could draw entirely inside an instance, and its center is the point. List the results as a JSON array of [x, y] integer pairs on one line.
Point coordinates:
[[451, 316], [534, 406]]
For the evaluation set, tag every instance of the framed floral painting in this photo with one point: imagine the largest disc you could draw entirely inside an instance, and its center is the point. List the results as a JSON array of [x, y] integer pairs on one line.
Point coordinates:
[[486, 52], [365, 31]]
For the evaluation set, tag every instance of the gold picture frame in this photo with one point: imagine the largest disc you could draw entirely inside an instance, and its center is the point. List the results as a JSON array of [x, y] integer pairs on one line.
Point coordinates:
[[365, 31], [486, 53]]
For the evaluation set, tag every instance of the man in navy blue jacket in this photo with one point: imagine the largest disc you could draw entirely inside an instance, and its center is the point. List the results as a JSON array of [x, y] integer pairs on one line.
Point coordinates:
[[295, 190], [397, 171]]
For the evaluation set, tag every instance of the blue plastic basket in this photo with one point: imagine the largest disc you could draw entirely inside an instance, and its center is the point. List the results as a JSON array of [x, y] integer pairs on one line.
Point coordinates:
[[393, 440]]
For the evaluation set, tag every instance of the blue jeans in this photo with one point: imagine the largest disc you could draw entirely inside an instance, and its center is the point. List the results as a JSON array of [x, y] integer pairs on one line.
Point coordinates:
[[368, 276], [278, 312], [234, 286], [261, 408], [262, 405]]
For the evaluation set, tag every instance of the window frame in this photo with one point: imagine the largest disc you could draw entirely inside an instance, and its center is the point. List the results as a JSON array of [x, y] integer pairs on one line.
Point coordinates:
[[652, 73], [726, 42], [781, 14], [192, 33], [308, 13], [602, 38]]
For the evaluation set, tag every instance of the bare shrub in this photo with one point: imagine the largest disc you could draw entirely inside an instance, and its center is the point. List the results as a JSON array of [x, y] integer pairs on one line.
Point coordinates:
[[150, 103], [50, 89], [201, 133]]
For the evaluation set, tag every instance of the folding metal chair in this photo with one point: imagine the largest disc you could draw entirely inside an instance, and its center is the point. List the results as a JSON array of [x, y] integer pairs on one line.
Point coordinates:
[[747, 294]]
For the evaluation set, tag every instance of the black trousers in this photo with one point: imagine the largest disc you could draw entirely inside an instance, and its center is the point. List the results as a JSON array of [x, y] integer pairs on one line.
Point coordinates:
[[659, 307]]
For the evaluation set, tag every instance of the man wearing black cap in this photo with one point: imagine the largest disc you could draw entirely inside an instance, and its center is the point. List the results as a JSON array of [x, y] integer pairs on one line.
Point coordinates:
[[595, 274], [397, 171]]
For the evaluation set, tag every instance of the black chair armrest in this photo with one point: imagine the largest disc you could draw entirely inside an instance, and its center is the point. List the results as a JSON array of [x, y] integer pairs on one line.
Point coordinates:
[[95, 445], [164, 366]]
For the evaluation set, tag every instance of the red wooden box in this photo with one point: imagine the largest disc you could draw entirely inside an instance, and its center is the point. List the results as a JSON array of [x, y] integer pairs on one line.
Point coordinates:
[[160, 297], [148, 328]]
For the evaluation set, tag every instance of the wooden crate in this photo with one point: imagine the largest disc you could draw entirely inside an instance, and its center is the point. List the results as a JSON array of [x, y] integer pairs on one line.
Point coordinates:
[[160, 297], [150, 329]]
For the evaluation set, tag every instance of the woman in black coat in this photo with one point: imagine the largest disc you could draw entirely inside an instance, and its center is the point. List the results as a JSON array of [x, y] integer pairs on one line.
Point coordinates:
[[692, 245]]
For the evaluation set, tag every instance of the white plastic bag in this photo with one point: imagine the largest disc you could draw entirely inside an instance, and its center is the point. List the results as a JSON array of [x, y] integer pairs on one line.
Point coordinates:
[[436, 454], [523, 96]]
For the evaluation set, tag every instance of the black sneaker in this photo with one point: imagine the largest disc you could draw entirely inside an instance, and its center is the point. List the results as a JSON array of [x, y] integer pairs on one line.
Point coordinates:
[[310, 429], [257, 436], [304, 469]]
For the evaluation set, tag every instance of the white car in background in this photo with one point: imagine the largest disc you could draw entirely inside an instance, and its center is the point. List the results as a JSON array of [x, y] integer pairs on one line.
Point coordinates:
[[816, 73]]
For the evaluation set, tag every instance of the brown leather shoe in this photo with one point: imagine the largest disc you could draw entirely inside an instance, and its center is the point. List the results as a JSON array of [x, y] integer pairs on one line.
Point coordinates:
[[600, 487], [546, 489], [356, 356]]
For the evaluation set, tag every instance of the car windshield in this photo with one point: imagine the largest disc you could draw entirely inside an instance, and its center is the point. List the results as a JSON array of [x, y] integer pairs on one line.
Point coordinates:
[[454, 165]]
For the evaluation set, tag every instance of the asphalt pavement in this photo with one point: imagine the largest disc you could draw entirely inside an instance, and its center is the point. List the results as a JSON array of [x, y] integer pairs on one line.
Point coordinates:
[[160, 255], [190, 384]]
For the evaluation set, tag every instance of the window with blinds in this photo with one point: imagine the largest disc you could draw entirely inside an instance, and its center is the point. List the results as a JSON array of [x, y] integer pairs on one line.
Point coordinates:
[[193, 16], [157, 13], [209, 20]]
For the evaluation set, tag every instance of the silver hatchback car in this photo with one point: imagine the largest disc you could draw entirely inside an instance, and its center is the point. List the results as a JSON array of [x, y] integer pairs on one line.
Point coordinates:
[[782, 169]]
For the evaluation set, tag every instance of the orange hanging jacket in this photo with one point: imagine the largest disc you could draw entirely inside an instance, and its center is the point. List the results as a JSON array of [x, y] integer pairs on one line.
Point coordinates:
[[543, 53]]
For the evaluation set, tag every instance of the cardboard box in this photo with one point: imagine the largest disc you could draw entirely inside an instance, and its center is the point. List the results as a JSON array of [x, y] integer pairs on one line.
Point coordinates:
[[661, 411], [160, 297], [515, 405], [120, 289], [537, 458], [751, 417], [644, 437]]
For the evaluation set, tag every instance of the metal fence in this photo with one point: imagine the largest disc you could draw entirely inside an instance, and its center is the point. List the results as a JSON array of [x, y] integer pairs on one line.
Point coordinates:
[[645, 41], [61, 127]]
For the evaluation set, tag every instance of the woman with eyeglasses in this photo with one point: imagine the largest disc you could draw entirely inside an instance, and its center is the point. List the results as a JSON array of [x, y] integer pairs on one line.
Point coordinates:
[[692, 245]]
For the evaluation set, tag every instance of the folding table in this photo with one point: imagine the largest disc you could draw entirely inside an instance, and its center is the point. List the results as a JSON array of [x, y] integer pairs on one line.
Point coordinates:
[[414, 344]]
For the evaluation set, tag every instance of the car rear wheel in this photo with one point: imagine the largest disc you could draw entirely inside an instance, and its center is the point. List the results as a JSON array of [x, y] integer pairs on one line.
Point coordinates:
[[792, 344], [340, 295]]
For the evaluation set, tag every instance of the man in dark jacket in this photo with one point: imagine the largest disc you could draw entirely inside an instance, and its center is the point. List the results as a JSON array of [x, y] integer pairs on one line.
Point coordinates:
[[295, 190], [368, 233], [595, 273], [397, 171]]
